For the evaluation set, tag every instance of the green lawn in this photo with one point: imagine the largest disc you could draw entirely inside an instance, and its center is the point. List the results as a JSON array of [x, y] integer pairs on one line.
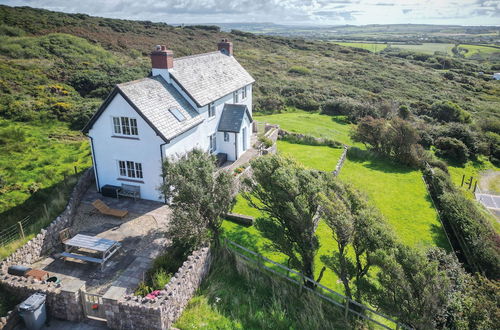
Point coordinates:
[[401, 196], [318, 157], [373, 47], [427, 48], [315, 124]]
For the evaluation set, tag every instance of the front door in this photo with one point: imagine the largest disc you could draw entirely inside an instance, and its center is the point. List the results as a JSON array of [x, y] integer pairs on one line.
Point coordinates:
[[244, 138]]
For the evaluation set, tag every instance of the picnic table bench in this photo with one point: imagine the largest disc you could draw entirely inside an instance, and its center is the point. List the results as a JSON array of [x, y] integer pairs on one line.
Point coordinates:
[[104, 247]]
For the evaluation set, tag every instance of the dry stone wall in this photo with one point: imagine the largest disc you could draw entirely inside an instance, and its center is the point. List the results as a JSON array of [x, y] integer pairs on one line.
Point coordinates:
[[48, 238], [134, 312]]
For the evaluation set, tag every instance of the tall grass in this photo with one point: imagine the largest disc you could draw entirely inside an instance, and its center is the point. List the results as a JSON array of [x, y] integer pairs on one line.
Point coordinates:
[[237, 295]]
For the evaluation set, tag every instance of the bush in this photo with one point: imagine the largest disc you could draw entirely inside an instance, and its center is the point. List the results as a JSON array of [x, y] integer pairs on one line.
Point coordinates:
[[300, 70], [476, 235], [452, 149], [267, 142], [463, 133], [272, 103], [354, 110], [450, 112]]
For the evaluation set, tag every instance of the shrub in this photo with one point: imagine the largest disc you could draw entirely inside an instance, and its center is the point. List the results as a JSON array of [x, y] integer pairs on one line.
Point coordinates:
[[271, 103], [300, 70], [463, 133], [353, 109], [450, 112], [452, 149], [267, 142], [476, 235]]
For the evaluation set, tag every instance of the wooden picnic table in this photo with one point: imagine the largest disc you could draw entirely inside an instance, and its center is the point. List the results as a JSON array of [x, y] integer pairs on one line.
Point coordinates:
[[104, 247]]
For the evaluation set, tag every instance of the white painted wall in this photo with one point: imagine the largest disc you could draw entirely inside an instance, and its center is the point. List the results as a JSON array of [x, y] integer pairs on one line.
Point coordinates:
[[146, 150], [108, 149]]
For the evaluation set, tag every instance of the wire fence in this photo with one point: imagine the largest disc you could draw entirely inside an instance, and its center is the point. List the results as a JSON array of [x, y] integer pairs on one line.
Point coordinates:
[[349, 306], [16, 231]]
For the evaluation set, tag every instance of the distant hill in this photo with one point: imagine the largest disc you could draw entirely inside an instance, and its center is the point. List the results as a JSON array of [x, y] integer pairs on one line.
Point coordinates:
[[61, 66]]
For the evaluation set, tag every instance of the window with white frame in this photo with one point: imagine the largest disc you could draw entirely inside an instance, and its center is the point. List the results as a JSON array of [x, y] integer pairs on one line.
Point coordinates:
[[130, 169], [213, 143], [236, 97], [211, 110], [125, 126], [226, 137], [244, 93]]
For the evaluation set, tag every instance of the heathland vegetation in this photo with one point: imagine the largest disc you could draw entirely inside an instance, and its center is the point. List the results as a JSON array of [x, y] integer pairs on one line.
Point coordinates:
[[408, 111]]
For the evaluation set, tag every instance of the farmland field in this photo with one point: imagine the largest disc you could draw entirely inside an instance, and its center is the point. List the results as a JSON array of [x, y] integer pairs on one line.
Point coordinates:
[[373, 47], [479, 51], [427, 48]]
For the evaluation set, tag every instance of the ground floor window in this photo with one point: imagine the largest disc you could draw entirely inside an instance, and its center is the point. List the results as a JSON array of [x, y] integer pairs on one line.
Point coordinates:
[[213, 143], [226, 137], [130, 169]]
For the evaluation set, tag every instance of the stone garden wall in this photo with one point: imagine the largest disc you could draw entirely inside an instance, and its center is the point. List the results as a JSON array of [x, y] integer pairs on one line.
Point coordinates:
[[134, 312], [48, 238]]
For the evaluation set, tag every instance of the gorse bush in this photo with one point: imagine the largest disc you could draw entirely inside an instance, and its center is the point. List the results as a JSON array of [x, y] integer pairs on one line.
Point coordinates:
[[452, 149]]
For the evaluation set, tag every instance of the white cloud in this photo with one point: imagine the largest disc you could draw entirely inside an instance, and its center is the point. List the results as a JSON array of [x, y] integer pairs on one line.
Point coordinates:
[[467, 12]]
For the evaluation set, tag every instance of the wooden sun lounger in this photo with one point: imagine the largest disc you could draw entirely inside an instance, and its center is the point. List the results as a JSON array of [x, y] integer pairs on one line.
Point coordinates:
[[104, 209]]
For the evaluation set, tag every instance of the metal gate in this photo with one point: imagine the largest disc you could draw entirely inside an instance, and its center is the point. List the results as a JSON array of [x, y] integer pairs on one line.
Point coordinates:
[[93, 306]]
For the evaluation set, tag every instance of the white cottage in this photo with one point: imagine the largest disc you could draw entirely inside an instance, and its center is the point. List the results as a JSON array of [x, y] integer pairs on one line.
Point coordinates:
[[202, 101]]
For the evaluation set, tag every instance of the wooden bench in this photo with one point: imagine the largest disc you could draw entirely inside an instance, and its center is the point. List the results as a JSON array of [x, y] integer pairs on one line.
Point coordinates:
[[129, 190], [81, 257], [104, 209]]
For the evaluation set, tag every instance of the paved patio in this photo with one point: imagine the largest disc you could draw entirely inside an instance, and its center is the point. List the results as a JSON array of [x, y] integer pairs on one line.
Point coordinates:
[[141, 233]]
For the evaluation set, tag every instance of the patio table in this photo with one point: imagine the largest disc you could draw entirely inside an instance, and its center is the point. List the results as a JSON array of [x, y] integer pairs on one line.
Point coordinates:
[[104, 247]]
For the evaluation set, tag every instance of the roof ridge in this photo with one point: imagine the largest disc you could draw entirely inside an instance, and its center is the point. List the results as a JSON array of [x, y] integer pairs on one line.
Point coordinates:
[[195, 55]]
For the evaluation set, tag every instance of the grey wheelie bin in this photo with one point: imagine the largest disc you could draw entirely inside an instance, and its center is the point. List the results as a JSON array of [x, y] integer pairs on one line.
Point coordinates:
[[33, 311]]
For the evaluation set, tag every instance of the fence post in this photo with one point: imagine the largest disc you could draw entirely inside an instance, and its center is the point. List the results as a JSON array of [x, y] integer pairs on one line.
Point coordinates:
[[46, 211], [346, 311], [21, 230], [76, 170]]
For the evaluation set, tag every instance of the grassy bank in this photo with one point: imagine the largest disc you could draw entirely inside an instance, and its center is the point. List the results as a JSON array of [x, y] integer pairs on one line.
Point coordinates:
[[237, 296]]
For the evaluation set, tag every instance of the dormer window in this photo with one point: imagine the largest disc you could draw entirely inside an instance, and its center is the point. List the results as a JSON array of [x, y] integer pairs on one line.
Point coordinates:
[[211, 110], [177, 114], [125, 126]]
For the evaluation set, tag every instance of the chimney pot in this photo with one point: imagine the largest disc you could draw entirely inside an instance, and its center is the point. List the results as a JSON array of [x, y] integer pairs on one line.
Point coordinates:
[[163, 47], [225, 47]]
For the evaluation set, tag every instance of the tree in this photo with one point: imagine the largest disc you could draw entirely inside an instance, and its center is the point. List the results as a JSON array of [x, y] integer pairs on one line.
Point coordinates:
[[401, 139], [370, 132], [411, 287], [356, 226], [199, 196], [287, 195]]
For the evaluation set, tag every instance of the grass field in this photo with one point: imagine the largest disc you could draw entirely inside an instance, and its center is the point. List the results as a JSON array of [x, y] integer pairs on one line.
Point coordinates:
[[319, 157], [373, 47], [401, 196], [476, 50], [427, 48], [332, 127]]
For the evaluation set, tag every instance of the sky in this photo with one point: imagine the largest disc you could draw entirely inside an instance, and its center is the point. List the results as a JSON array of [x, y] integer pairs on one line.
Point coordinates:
[[310, 12]]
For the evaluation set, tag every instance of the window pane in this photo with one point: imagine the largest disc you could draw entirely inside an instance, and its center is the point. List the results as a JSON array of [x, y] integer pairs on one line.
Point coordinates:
[[116, 125], [177, 114], [138, 170], [133, 126], [121, 164], [215, 142], [226, 137], [125, 126], [130, 169]]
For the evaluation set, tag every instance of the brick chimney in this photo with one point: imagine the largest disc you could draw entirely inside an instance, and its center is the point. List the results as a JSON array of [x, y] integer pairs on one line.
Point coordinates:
[[225, 47], [162, 61]]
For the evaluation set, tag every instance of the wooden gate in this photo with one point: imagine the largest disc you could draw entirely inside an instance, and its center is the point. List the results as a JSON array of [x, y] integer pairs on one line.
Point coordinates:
[[92, 306]]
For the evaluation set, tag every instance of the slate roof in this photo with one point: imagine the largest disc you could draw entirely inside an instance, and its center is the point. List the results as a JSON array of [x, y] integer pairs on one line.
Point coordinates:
[[154, 97], [232, 117], [210, 76]]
